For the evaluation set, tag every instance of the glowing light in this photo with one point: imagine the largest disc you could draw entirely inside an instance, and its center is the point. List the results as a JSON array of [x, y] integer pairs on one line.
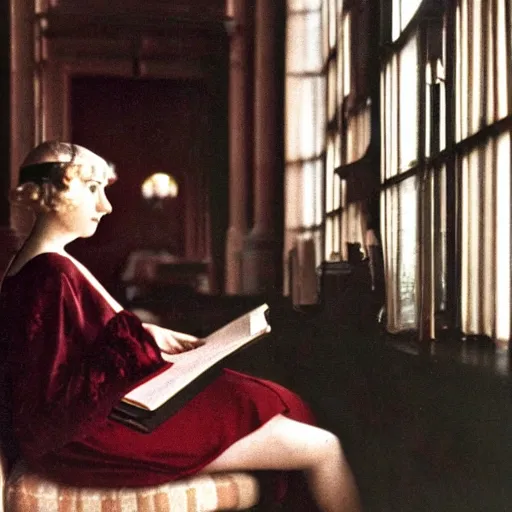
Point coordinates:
[[159, 186]]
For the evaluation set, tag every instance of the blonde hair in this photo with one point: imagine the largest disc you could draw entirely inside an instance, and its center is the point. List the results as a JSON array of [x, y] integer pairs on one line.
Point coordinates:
[[49, 172]]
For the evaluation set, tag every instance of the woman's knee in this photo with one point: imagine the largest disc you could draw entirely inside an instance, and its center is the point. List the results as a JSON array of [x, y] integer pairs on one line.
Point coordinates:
[[281, 443], [328, 444]]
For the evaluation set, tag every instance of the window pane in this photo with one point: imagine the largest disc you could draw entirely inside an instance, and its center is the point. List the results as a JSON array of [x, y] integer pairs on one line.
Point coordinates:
[[303, 199], [482, 65], [440, 241], [305, 117], [408, 97], [501, 85], [403, 11], [400, 204], [503, 240], [325, 29], [408, 9], [332, 23], [435, 235], [302, 5], [486, 251], [407, 252], [329, 238], [346, 54], [353, 227], [477, 54], [389, 109], [303, 42], [462, 71]]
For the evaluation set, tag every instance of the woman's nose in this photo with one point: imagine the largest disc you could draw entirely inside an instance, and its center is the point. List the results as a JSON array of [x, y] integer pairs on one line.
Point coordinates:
[[103, 205]]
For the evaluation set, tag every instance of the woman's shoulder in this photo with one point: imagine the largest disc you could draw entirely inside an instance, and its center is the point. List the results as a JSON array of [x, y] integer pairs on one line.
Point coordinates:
[[43, 265]]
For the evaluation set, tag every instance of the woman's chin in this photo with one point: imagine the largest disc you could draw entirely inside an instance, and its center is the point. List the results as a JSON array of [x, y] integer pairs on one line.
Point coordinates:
[[89, 233]]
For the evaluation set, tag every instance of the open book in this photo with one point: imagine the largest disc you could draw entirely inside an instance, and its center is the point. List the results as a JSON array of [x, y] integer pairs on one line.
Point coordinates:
[[160, 396]]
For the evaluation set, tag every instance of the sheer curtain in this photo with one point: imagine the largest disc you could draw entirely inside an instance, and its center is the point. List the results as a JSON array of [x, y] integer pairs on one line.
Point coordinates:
[[400, 198], [483, 71], [305, 118]]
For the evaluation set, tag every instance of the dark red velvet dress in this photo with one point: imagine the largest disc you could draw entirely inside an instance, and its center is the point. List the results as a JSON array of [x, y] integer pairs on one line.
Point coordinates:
[[67, 358]]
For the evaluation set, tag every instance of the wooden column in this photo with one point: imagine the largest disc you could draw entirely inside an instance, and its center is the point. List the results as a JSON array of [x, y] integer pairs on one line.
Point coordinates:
[[22, 97], [14, 15], [240, 131], [259, 256]]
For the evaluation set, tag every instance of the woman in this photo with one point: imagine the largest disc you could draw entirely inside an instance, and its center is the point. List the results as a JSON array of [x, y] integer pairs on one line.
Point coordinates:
[[71, 352]]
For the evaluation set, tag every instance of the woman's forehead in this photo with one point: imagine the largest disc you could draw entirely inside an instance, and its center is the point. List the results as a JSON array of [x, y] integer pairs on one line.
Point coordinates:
[[86, 157]]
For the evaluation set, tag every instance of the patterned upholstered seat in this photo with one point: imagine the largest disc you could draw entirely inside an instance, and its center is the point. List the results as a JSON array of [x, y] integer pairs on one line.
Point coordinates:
[[24, 491]]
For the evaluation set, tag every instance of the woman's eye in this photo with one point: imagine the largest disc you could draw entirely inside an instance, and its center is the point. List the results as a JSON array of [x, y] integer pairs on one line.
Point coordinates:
[[93, 187]]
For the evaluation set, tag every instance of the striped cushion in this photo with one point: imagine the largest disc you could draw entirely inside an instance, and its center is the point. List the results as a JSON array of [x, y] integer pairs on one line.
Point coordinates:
[[26, 491]]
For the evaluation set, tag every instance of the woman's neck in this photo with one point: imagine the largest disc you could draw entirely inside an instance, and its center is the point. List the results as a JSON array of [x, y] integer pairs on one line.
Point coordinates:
[[44, 237], [47, 236]]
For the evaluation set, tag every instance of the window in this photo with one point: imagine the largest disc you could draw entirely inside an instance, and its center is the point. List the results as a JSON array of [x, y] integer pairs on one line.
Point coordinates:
[[305, 114], [400, 171], [329, 112], [349, 130], [400, 113], [337, 85], [483, 124], [445, 170], [403, 11]]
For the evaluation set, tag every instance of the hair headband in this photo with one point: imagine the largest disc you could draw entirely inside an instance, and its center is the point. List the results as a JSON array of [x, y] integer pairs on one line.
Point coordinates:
[[42, 172], [54, 172]]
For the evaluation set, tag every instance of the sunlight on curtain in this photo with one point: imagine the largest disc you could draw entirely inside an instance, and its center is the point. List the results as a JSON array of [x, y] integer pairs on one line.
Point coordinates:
[[482, 72], [336, 63], [303, 40], [475, 106], [483, 55], [399, 213], [332, 14], [500, 77], [353, 228], [346, 54], [407, 254], [303, 207], [303, 5], [389, 118], [408, 105], [403, 11], [332, 238], [305, 119], [486, 252], [439, 240], [503, 240], [399, 151]]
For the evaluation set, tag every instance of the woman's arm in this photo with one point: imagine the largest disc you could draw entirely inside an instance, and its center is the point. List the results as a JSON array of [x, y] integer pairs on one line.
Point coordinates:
[[67, 371]]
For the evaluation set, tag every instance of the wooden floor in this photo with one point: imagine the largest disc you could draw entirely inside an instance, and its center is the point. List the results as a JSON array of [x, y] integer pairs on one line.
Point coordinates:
[[422, 433]]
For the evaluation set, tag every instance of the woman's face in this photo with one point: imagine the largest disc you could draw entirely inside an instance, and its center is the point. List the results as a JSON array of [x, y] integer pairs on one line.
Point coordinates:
[[90, 204]]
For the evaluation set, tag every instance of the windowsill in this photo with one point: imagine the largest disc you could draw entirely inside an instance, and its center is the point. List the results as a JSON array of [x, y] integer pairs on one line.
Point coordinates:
[[479, 355]]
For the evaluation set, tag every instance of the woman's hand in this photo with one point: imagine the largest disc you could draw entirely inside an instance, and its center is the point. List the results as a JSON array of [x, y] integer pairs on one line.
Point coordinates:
[[172, 342]]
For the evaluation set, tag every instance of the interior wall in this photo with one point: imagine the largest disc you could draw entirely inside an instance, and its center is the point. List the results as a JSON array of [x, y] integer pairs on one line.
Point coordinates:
[[142, 126]]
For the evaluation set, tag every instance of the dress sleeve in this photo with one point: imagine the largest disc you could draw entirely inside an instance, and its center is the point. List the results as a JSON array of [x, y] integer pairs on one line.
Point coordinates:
[[65, 381]]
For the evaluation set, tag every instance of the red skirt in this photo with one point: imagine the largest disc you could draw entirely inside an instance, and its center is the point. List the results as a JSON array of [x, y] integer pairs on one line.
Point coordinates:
[[231, 407]]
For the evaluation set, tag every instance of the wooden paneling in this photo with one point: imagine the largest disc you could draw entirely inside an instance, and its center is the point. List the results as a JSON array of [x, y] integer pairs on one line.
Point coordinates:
[[142, 126]]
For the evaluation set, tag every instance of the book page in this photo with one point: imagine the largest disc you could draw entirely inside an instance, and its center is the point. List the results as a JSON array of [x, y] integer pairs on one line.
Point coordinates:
[[189, 365]]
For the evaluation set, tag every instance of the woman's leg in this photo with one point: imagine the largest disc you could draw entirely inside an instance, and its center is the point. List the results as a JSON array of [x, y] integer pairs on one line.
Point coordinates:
[[286, 444]]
